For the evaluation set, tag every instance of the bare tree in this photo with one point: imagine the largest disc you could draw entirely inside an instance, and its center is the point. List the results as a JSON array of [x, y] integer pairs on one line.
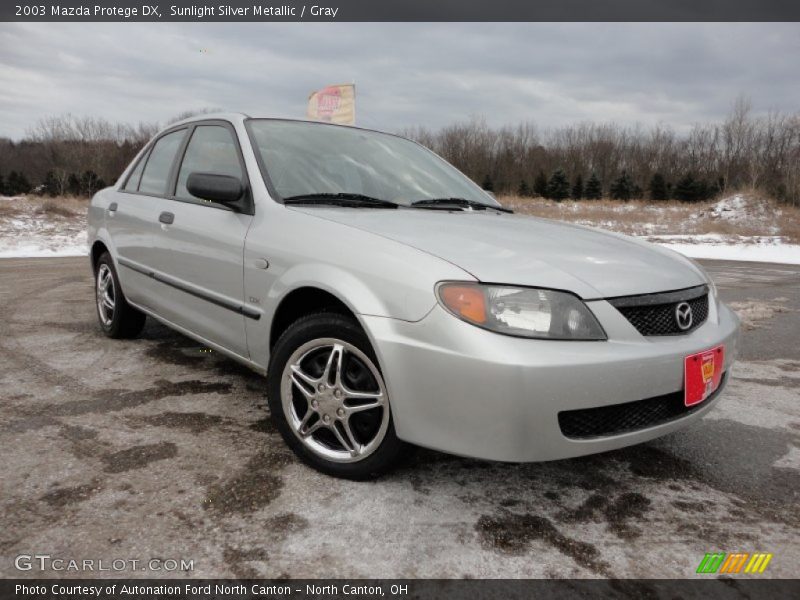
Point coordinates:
[[743, 150]]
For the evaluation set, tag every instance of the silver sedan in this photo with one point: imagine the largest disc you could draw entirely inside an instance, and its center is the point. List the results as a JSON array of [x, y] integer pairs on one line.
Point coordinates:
[[390, 301]]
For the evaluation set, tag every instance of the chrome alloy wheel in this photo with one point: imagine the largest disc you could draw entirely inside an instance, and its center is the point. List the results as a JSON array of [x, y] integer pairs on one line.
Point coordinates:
[[105, 294], [334, 399]]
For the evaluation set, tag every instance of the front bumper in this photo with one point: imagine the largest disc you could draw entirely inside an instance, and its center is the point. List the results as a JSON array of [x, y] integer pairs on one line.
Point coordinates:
[[460, 389]]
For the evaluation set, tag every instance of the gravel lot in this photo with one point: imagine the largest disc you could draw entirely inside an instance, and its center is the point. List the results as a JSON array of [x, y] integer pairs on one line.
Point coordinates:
[[157, 448]]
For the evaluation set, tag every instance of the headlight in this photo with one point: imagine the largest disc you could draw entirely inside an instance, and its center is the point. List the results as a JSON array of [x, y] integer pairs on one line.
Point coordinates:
[[524, 312]]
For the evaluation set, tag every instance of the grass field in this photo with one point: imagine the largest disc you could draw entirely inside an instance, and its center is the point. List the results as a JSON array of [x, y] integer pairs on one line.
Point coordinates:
[[740, 215], [67, 207]]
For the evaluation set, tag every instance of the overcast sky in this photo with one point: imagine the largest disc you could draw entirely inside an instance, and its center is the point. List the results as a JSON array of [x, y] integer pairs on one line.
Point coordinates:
[[406, 74]]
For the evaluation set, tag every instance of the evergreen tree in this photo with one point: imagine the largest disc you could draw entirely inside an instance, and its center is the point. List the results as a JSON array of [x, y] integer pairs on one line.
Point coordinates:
[[781, 192], [594, 188], [686, 188], [577, 188], [689, 189], [2, 185], [23, 185], [90, 183], [558, 186], [658, 187], [707, 190], [540, 185], [11, 184], [17, 184], [50, 184], [488, 183], [622, 188], [701, 190], [73, 185], [523, 189]]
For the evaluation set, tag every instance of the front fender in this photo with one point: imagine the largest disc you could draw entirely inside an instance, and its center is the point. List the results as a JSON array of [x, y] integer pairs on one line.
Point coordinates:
[[287, 249], [397, 301], [383, 297]]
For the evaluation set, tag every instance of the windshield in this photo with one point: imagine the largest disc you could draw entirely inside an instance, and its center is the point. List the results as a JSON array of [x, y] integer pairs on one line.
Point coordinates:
[[304, 158]]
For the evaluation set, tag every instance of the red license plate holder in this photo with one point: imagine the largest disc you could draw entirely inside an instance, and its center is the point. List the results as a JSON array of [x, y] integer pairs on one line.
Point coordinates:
[[702, 374]]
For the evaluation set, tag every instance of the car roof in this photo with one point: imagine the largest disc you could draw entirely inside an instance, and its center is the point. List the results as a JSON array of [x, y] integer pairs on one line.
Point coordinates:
[[233, 117], [240, 117]]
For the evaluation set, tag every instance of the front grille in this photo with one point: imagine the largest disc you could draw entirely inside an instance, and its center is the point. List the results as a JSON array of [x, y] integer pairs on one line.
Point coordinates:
[[655, 314], [616, 419]]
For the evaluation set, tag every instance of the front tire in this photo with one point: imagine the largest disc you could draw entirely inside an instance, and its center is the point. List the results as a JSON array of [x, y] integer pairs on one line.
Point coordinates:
[[117, 318], [328, 398]]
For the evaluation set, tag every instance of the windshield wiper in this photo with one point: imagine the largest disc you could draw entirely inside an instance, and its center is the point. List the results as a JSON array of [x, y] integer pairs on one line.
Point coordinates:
[[448, 203], [341, 199]]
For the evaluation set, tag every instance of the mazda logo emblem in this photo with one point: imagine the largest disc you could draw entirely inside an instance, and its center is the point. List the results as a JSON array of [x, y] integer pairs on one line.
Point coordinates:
[[683, 316]]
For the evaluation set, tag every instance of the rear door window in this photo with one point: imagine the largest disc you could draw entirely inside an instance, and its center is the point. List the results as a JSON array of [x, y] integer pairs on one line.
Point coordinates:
[[212, 149], [132, 184], [155, 177]]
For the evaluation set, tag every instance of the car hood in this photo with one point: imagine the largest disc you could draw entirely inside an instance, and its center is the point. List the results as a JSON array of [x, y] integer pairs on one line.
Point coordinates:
[[529, 251]]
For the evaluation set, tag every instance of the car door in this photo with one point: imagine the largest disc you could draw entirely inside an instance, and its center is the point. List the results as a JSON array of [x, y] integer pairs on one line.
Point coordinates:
[[199, 245], [132, 220]]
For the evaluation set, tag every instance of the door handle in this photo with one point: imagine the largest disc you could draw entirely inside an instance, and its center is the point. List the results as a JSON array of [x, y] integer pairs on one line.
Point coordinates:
[[167, 218], [112, 207]]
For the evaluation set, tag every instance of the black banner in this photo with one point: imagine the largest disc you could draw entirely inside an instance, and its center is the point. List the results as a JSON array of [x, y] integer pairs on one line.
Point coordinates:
[[401, 10], [364, 589]]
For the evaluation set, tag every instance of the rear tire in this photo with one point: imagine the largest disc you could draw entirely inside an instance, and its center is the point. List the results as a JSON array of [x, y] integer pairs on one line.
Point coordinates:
[[328, 398], [118, 319]]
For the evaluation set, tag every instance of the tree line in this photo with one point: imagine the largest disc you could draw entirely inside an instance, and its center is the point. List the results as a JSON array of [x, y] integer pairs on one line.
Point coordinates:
[[591, 160], [69, 155], [623, 187], [79, 155], [72, 155]]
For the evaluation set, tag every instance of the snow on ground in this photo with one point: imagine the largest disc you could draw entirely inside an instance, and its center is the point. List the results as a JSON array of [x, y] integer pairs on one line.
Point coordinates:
[[720, 247], [742, 210], [733, 208], [739, 208], [26, 230], [756, 313], [54, 246]]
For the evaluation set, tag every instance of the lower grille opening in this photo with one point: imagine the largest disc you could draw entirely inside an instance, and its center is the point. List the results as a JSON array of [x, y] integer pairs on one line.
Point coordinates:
[[617, 419]]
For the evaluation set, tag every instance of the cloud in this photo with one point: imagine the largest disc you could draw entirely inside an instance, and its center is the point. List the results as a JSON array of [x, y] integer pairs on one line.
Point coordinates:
[[406, 74]]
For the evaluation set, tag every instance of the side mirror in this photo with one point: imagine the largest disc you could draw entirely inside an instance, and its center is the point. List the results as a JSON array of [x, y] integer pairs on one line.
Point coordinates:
[[217, 188]]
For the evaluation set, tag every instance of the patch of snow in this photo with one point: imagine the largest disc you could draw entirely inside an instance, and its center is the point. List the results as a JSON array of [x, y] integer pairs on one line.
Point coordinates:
[[41, 245], [740, 209], [696, 238], [28, 234], [38, 251], [730, 209], [752, 250], [753, 313]]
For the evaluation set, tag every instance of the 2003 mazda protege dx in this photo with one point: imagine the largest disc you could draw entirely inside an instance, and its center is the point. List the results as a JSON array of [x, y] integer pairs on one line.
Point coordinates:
[[390, 300]]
